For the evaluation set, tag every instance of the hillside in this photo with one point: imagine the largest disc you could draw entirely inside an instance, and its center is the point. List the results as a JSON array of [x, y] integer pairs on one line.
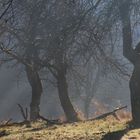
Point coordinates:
[[85, 130]]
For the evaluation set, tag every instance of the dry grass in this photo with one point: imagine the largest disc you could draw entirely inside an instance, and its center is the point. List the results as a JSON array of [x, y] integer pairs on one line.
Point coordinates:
[[86, 130], [132, 135]]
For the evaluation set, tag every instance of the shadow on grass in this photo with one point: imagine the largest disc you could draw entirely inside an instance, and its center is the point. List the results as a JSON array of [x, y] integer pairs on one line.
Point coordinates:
[[117, 135]]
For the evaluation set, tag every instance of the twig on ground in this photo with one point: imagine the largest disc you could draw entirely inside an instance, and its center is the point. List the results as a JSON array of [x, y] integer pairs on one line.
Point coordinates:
[[24, 114]]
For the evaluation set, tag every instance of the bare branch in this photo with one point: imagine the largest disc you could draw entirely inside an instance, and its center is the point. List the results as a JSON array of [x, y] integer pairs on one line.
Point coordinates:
[[5, 11], [24, 114], [18, 58]]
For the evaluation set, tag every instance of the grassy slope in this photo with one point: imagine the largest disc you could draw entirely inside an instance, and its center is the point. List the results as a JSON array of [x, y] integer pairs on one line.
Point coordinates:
[[86, 130]]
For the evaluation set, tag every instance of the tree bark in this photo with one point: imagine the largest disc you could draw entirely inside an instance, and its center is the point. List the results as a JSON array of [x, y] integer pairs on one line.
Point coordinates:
[[67, 106], [135, 94], [36, 85], [128, 50], [133, 57]]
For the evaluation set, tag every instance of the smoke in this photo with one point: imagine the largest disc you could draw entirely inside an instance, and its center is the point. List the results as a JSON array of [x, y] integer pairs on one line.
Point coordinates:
[[110, 93]]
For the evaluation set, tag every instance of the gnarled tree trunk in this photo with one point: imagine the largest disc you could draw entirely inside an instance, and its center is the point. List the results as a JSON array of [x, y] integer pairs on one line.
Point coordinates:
[[67, 106], [133, 56], [36, 85]]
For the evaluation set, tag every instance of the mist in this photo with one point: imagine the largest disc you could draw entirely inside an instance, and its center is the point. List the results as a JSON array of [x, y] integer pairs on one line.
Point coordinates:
[[62, 58]]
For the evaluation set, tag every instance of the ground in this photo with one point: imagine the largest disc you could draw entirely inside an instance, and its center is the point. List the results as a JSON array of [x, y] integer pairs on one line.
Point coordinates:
[[85, 130]]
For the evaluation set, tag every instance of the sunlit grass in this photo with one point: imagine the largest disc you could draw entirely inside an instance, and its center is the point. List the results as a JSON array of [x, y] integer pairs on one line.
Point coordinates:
[[86, 130]]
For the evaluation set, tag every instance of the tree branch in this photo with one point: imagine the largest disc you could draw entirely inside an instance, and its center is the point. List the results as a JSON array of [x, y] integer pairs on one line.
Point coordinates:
[[5, 11], [10, 53]]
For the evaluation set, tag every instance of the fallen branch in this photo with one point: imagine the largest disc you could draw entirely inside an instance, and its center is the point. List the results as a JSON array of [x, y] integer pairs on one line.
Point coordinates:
[[8, 121], [15, 124], [50, 122], [5, 122], [109, 113]]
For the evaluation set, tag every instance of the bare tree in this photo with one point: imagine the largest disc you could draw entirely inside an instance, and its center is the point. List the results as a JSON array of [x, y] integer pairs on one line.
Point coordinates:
[[58, 35], [27, 53]]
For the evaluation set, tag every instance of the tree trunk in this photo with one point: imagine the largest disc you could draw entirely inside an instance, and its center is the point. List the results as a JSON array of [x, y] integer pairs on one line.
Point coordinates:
[[36, 85], [135, 95], [67, 106], [133, 56]]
